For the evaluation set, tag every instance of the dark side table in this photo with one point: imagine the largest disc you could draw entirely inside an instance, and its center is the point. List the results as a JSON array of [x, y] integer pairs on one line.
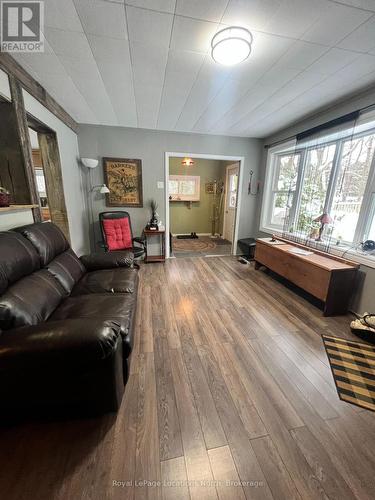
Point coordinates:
[[150, 234]]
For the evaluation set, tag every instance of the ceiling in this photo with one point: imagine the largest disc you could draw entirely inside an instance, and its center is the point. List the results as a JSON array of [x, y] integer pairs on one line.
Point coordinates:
[[147, 63]]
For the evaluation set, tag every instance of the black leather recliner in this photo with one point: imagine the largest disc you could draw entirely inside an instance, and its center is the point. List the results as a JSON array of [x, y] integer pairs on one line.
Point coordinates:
[[66, 324]]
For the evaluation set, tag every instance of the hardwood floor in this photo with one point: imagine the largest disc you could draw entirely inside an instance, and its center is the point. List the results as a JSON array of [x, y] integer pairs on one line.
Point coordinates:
[[230, 397]]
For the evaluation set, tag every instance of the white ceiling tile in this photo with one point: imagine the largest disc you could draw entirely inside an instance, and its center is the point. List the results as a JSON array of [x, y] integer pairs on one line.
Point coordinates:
[[73, 44], [252, 14], [102, 18], [228, 96], [202, 9], [209, 82], [112, 57], [294, 17], [333, 61], [192, 34], [302, 54], [158, 5], [181, 73], [61, 15], [336, 22], [361, 39], [146, 26]]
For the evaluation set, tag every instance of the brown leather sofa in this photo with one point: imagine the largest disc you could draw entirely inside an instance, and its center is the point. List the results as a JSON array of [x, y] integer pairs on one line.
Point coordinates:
[[66, 324]]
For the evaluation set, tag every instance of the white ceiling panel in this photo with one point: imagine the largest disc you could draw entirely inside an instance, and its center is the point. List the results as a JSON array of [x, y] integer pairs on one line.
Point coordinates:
[[336, 22], [147, 63], [112, 57], [252, 14], [202, 9], [361, 39], [192, 34], [147, 26], [62, 15], [102, 18], [181, 73], [208, 83], [157, 5]]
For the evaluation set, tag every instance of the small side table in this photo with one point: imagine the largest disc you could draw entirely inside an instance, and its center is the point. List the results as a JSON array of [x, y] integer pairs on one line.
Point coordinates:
[[149, 233], [247, 245]]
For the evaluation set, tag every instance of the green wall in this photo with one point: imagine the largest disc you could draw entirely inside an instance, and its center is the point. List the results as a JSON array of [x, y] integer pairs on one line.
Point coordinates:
[[184, 220]]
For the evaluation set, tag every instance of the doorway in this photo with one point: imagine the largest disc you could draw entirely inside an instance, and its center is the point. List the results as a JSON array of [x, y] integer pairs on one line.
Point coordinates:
[[48, 174], [199, 189], [231, 192]]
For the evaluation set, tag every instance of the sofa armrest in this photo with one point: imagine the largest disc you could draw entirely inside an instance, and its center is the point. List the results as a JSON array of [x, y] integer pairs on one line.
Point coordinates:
[[58, 342], [109, 260]]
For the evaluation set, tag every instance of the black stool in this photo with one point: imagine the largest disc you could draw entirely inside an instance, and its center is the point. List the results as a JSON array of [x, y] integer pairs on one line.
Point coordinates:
[[247, 246]]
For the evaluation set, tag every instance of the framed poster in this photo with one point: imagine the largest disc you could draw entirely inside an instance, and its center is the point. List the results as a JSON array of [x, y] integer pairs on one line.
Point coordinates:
[[124, 180]]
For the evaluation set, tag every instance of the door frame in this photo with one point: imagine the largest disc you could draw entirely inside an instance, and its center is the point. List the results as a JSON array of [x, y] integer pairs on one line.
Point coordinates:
[[203, 156], [226, 196]]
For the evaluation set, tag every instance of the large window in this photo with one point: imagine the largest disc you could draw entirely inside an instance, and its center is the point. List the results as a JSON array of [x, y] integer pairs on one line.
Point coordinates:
[[334, 176]]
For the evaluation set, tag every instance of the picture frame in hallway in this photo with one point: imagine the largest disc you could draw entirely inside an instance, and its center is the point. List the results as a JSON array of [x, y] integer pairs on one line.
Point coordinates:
[[124, 179]]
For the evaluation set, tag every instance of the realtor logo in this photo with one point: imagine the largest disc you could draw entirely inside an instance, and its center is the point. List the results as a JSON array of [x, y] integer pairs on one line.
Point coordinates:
[[21, 26]]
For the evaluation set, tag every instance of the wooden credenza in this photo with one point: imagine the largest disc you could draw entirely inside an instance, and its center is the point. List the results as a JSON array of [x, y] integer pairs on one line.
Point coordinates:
[[329, 279]]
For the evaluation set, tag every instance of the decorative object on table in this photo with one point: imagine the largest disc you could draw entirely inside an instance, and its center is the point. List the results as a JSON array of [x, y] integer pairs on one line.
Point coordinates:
[[117, 233], [124, 180], [353, 369], [364, 327], [151, 234], [153, 225], [4, 197], [323, 219]]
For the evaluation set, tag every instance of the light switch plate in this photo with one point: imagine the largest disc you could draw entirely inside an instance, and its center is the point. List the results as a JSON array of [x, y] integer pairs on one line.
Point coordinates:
[[160, 184]]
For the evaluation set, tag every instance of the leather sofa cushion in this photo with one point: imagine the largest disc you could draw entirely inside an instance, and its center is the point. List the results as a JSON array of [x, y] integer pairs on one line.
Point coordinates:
[[30, 301], [47, 238], [118, 308], [67, 269], [18, 258], [75, 341], [118, 280]]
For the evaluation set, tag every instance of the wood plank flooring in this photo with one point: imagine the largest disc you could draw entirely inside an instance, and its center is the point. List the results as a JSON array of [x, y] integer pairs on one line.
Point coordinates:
[[230, 397]]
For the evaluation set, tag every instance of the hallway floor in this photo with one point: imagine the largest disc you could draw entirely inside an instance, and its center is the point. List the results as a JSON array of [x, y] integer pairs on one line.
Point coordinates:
[[204, 246]]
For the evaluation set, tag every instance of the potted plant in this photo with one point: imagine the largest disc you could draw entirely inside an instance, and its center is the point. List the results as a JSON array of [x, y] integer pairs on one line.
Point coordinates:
[[4, 197], [153, 224]]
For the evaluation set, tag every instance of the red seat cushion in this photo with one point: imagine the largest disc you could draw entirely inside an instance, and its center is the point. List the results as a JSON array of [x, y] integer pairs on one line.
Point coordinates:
[[117, 233]]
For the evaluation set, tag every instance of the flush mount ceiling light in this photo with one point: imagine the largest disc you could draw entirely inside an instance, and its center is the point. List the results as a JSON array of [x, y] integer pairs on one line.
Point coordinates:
[[231, 45], [187, 162]]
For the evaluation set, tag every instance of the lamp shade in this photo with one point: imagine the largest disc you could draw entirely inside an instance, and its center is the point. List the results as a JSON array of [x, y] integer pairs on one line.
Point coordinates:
[[89, 162], [104, 189], [324, 219]]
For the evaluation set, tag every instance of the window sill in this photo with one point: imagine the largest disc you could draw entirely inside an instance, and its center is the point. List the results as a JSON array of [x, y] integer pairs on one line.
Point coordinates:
[[349, 253]]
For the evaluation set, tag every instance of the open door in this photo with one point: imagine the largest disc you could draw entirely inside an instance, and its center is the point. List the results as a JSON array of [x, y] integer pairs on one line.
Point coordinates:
[[231, 192]]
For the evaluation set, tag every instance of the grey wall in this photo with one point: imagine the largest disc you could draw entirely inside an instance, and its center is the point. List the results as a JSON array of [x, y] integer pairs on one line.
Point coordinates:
[[150, 146], [363, 298]]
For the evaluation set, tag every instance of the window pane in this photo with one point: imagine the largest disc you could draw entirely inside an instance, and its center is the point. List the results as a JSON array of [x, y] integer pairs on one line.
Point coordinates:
[[314, 186], [355, 166], [287, 172], [280, 208]]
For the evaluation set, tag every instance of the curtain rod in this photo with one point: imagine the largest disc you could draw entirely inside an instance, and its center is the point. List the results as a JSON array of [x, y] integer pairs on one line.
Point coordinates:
[[322, 126]]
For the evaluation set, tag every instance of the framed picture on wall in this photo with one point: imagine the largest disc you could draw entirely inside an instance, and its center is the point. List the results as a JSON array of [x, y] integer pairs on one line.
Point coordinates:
[[124, 180]]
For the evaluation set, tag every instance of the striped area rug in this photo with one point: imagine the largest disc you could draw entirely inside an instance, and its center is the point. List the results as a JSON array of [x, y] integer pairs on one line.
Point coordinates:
[[353, 368]]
